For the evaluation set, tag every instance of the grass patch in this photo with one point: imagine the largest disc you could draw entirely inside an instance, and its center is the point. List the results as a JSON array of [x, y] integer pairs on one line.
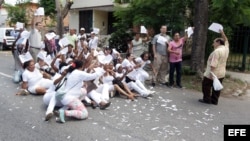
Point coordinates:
[[231, 85]]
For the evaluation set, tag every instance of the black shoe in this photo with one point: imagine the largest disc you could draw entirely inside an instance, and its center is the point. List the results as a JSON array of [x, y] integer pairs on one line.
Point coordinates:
[[86, 103], [179, 86], [214, 103], [202, 101], [153, 84], [165, 83], [48, 116], [102, 107], [93, 104]]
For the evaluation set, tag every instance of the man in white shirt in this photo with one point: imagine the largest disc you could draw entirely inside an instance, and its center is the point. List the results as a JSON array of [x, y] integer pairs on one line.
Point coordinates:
[[82, 34], [93, 42], [35, 38]]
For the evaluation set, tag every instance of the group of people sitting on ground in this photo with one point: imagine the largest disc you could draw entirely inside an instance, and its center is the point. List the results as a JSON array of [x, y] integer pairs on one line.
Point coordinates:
[[83, 77]]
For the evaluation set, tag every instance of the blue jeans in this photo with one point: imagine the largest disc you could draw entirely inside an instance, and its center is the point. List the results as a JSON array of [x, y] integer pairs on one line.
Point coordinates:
[[175, 66]]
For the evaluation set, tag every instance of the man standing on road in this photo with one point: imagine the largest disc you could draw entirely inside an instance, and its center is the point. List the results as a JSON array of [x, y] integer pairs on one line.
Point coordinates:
[[160, 49], [216, 64], [35, 38]]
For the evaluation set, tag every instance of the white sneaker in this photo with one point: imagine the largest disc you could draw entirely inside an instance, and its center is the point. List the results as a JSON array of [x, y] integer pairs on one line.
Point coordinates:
[[151, 92]]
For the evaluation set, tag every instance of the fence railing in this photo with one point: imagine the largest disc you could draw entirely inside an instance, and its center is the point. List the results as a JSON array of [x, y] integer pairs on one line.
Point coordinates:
[[239, 56]]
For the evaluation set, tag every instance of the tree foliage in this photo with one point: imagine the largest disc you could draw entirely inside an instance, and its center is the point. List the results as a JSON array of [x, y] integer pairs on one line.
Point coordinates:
[[230, 12], [154, 13], [151, 14], [50, 7], [17, 13]]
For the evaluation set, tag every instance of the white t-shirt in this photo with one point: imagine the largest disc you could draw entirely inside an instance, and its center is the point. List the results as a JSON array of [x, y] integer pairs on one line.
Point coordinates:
[[108, 79], [130, 65], [115, 53], [93, 43], [119, 75], [74, 83], [137, 45], [142, 62], [32, 77], [80, 48]]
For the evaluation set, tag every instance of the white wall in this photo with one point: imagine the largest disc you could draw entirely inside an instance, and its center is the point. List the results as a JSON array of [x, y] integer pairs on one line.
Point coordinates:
[[100, 20], [3, 17], [91, 3], [74, 19]]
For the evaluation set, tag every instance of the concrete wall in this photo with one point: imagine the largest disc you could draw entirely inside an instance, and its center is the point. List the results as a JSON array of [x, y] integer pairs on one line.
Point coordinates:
[[91, 3], [74, 20], [100, 20], [3, 17]]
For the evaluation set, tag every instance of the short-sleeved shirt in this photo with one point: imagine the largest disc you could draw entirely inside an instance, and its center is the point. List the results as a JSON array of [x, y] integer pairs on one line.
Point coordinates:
[[142, 62], [173, 57], [218, 60], [72, 39], [31, 77], [35, 38], [159, 47], [137, 45], [93, 43]]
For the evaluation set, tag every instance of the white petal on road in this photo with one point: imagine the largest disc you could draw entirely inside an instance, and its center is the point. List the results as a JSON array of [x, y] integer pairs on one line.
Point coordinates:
[[155, 128]]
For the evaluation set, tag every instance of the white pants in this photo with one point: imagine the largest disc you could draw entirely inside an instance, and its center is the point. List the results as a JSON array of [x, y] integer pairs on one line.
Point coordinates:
[[50, 100], [104, 91], [134, 86], [97, 97], [44, 83], [143, 75]]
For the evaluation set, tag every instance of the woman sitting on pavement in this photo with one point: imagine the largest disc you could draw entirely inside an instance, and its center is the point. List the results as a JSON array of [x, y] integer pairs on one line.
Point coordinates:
[[132, 85], [142, 61], [115, 84], [75, 91], [129, 64], [35, 81]]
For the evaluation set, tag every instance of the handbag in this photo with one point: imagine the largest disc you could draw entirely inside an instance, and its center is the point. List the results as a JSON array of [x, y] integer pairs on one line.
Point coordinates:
[[17, 76], [61, 91], [216, 83]]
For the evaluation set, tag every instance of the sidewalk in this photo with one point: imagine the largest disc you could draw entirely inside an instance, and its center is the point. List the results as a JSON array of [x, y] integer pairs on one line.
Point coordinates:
[[240, 75]]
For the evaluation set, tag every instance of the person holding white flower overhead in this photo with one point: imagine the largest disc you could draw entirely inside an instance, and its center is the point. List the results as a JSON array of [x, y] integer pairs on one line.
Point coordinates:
[[216, 64], [35, 37]]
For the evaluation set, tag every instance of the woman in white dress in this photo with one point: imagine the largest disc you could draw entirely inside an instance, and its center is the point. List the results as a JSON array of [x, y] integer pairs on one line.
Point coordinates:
[[142, 61], [137, 47], [132, 85], [133, 74], [34, 81], [75, 92], [109, 79]]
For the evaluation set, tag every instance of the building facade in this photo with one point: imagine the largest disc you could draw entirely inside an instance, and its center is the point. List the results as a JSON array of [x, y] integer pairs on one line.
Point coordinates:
[[92, 14]]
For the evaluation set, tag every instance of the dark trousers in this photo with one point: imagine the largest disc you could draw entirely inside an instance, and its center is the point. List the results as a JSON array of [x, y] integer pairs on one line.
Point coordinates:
[[175, 66], [207, 85]]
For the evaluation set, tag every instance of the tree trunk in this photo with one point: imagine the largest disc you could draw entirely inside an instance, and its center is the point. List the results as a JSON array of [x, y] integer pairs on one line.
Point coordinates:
[[66, 8], [61, 14], [200, 36], [59, 19], [1, 2]]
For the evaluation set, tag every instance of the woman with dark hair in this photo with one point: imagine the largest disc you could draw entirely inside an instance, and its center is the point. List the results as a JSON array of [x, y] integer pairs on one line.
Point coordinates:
[[34, 80], [75, 91], [175, 58], [137, 45], [142, 61], [130, 65]]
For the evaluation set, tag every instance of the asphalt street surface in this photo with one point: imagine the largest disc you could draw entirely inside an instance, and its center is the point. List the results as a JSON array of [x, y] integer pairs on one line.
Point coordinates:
[[170, 115]]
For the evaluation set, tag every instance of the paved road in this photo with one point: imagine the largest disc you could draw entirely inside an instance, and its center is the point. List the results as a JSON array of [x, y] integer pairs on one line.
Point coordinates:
[[172, 114]]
